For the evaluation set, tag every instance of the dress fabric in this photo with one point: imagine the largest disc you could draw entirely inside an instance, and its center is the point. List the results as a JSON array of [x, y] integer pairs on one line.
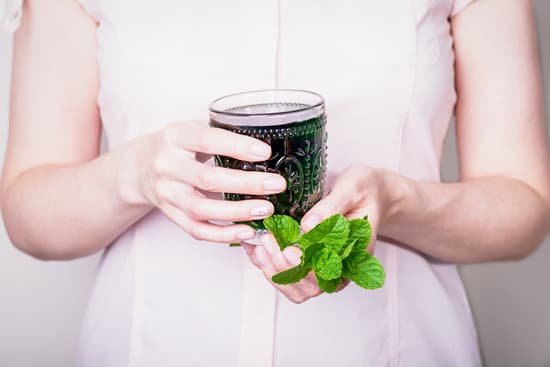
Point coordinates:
[[386, 71]]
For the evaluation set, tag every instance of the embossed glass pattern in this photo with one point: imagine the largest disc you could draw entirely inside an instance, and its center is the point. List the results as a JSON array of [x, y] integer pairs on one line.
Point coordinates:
[[293, 123]]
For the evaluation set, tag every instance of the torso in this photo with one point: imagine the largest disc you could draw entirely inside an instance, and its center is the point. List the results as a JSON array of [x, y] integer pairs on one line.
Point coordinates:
[[385, 69]]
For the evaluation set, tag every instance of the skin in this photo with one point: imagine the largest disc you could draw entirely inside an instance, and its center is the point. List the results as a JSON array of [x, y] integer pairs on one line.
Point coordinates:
[[58, 194]]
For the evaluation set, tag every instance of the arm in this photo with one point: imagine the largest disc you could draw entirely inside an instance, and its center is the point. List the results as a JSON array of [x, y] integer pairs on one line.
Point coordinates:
[[500, 209], [57, 199], [60, 200]]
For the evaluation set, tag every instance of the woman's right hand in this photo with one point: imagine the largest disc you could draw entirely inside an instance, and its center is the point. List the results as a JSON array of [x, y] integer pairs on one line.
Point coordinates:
[[174, 174]]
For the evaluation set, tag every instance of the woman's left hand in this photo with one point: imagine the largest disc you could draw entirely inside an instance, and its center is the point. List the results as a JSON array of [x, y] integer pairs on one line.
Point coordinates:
[[358, 191], [271, 260]]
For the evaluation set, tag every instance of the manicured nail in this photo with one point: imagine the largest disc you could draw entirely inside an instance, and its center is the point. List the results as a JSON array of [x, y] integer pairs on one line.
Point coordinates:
[[247, 248], [260, 150], [311, 221], [275, 184], [291, 256], [246, 234], [261, 211]]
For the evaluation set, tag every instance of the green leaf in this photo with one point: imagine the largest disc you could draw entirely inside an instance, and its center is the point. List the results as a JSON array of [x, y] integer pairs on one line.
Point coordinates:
[[284, 228], [360, 230], [234, 244], [309, 253], [347, 250], [328, 286], [351, 263], [332, 232], [369, 273], [327, 264], [292, 275]]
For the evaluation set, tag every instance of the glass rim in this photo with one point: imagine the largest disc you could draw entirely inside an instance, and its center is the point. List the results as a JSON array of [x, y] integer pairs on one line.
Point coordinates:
[[320, 103]]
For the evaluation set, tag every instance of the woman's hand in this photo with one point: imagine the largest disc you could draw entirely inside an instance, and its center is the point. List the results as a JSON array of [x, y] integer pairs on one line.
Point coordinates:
[[356, 192], [271, 260], [176, 180]]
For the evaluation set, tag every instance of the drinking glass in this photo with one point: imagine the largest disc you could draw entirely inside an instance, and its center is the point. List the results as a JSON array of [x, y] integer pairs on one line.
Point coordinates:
[[293, 123]]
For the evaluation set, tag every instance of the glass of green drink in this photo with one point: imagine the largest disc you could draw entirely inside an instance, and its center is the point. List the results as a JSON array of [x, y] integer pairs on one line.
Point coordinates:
[[293, 123]]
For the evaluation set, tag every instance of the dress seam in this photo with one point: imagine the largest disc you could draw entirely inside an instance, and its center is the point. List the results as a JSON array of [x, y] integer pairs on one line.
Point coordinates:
[[393, 260]]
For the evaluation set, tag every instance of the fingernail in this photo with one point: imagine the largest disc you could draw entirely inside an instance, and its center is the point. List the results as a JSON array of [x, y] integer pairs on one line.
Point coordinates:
[[261, 211], [247, 248], [311, 221], [260, 150], [275, 184], [291, 256], [246, 234]]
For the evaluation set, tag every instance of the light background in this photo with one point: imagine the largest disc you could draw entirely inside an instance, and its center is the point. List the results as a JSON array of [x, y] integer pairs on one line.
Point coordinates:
[[41, 304]]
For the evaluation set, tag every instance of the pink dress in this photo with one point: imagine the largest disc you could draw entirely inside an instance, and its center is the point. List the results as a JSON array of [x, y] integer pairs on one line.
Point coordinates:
[[385, 68]]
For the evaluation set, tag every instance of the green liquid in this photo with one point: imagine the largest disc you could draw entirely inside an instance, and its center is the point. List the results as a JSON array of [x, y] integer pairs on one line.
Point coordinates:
[[298, 154]]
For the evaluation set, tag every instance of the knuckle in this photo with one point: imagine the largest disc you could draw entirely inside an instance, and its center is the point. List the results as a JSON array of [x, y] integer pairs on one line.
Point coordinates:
[[237, 146], [195, 233], [205, 180], [298, 299], [202, 141], [166, 133], [163, 191], [160, 166], [253, 186], [193, 209]]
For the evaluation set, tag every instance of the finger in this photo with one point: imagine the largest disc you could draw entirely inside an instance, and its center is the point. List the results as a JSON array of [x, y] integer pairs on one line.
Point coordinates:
[[308, 285], [248, 248], [264, 259], [293, 255], [276, 256], [251, 252], [200, 138], [207, 231], [335, 202], [220, 179], [201, 208]]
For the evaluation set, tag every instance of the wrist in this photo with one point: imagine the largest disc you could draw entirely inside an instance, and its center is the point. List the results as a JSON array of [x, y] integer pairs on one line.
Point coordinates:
[[132, 174], [395, 190]]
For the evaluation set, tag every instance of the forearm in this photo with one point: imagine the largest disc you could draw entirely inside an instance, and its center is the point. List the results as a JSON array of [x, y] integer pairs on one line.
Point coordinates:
[[492, 218], [68, 211]]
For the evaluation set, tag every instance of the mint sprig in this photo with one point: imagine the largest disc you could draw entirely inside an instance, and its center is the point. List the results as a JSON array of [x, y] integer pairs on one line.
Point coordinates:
[[334, 250]]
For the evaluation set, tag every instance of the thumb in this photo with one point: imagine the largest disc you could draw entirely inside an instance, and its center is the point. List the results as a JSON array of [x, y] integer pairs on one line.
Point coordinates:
[[329, 205]]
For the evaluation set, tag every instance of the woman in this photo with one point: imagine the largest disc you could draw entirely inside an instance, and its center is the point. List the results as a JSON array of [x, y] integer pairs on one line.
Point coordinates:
[[391, 72]]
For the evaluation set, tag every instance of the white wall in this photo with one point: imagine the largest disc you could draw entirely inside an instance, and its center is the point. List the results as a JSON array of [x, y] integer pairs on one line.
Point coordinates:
[[41, 304]]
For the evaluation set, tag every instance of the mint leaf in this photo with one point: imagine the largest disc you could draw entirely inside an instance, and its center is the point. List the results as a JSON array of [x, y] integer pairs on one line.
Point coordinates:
[[335, 250], [350, 264], [309, 253], [327, 264], [328, 286], [360, 230], [292, 275], [284, 228], [347, 250], [332, 232], [364, 270]]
